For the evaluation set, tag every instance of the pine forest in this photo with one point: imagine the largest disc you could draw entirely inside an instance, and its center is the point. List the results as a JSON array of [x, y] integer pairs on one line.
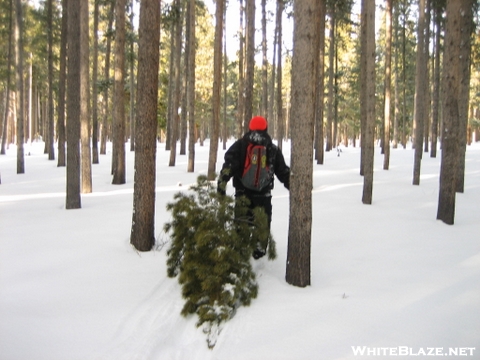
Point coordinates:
[[116, 117], [79, 74]]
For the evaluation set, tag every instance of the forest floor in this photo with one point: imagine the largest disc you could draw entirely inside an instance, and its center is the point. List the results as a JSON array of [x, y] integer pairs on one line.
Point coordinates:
[[388, 279]]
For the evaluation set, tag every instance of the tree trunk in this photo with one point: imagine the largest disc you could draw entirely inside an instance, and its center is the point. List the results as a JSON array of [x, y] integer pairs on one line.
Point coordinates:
[[85, 100], [271, 113], [335, 96], [190, 90], [183, 115], [363, 83], [73, 200], [106, 111], [428, 95], [7, 92], [396, 81], [29, 100], [217, 85], [264, 109], [388, 82], [21, 96], [241, 76], [95, 158], [436, 84], [118, 150], [62, 85], [280, 122], [250, 63], [331, 75], [420, 96], [51, 130], [225, 81], [457, 29], [142, 235], [175, 115], [13, 114], [301, 176], [171, 89], [465, 56], [368, 103], [183, 100], [132, 83], [320, 91], [32, 107]]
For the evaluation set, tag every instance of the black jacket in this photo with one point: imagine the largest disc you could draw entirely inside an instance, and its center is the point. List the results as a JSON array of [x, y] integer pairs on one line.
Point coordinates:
[[235, 159]]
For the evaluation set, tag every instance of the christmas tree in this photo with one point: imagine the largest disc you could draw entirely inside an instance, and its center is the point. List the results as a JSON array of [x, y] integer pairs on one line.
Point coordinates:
[[213, 237]]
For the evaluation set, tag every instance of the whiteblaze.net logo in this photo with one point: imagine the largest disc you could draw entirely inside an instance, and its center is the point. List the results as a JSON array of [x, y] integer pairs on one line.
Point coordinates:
[[408, 351]]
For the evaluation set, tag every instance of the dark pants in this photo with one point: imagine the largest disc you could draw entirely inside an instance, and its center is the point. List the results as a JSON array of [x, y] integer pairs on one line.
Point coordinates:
[[264, 201], [259, 200]]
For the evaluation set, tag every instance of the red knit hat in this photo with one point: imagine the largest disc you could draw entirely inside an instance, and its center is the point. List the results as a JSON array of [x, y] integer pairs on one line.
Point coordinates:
[[258, 123]]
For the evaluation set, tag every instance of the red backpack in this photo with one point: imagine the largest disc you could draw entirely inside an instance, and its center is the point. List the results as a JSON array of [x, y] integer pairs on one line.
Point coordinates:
[[256, 172]]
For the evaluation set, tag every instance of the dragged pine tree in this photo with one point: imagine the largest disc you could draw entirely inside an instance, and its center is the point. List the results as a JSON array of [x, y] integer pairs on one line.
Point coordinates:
[[213, 237]]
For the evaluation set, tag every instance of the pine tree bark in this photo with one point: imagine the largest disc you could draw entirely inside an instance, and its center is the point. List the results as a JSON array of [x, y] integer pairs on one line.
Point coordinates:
[[271, 102], [132, 82], [301, 176], [264, 110], [420, 96], [175, 115], [8, 82], [363, 84], [217, 85], [62, 86], [73, 200], [106, 111], [388, 83], [95, 158], [86, 154], [142, 235], [118, 150], [51, 132], [396, 83], [183, 96], [335, 135], [368, 99], [250, 62], [190, 90], [32, 119], [465, 65], [280, 121], [459, 13], [331, 75], [171, 89], [436, 83], [320, 92], [241, 75], [225, 82], [428, 93], [19, 80]]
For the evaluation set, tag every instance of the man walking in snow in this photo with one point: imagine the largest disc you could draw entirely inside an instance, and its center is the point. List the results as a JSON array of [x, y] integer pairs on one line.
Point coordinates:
[[253, 161]]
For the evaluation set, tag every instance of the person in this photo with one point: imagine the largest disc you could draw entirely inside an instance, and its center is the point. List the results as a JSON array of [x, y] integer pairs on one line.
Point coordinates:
[[234, 166]]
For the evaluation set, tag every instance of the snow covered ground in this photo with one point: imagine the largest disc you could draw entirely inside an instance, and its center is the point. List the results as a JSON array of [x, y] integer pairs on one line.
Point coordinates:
[[388, 279]]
